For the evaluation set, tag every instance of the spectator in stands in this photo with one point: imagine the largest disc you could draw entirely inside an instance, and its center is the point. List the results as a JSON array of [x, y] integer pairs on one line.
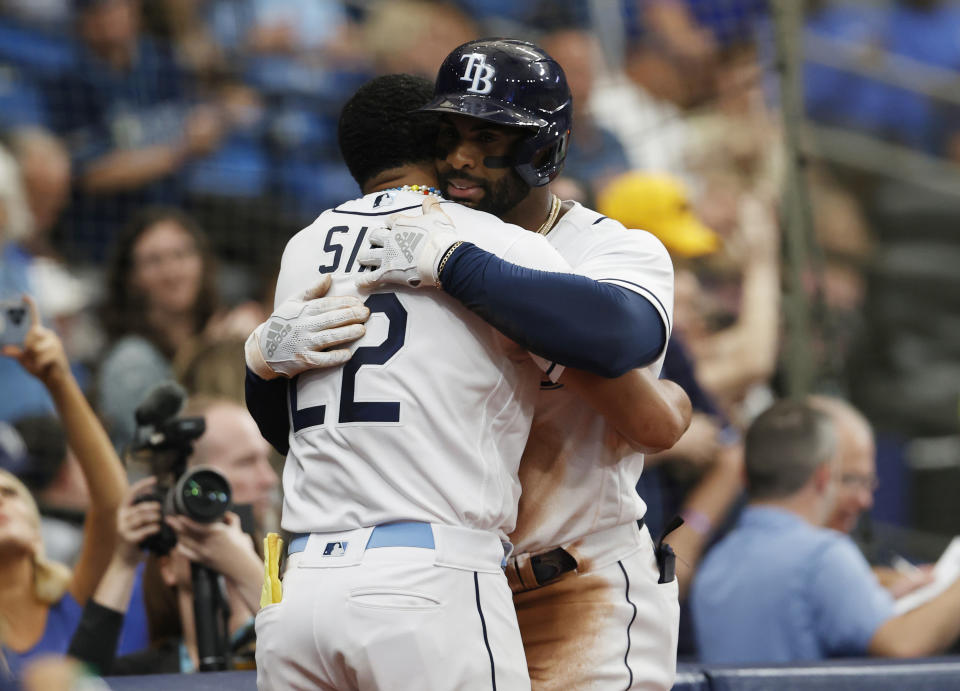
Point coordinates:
[[232, 444], [161, 293], [40, 600], [214, 369], [665, 71], [739, 135], [857, 481], [301, 29], [728, 310], [847, 245], [55, 479], [223, 547], [414, 36], [50, 15], [62, 297], [25, 395], [783, 588], [125, 111], [701, 476], [594, 155], [45, 170], [857, 469]]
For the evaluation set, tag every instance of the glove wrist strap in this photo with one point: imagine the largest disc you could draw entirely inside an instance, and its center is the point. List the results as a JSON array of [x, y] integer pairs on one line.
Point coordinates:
[[254, 356]]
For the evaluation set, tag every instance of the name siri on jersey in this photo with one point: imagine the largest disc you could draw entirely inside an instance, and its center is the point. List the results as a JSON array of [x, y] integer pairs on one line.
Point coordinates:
[[337, 244]]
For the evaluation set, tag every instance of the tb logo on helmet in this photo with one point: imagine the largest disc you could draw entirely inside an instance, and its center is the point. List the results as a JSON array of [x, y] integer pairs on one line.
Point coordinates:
[[478, 72]]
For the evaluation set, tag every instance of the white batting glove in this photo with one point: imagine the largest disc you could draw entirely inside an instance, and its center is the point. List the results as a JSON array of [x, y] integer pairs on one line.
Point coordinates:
[[409, 250], [296, 336]]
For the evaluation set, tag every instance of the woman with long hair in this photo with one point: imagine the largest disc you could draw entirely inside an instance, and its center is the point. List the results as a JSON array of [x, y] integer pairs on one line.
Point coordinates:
[[161, 295], [41, 600]]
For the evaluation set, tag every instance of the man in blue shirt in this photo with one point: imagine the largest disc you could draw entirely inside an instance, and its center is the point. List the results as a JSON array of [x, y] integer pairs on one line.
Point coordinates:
[[126, 113], [782, 588]]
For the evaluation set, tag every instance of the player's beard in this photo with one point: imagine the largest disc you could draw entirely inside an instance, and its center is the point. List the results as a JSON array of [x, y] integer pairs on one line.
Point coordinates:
[[498, 198]]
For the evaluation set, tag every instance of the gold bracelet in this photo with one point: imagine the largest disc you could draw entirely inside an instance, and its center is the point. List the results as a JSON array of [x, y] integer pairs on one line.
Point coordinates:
[[443, 262]]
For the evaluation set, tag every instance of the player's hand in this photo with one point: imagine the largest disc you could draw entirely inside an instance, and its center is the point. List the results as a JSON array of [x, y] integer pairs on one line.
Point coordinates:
[[409, 250], [42, 353], [300, 331]]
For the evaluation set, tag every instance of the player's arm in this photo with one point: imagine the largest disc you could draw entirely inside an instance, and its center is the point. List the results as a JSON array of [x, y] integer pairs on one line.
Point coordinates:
[[567, 319], [305, 331], [651, 414], [600, 328], [267, 404]]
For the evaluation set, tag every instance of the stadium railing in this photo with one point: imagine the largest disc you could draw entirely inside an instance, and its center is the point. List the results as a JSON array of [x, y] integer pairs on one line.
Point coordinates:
[[931, 674]]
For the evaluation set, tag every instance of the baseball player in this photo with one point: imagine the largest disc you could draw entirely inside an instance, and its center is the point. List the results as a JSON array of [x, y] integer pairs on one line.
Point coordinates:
[[397, 496], [374, 463], [596, 600]]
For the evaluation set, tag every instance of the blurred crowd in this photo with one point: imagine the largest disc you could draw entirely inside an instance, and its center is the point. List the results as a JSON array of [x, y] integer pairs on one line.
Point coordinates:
[[156, 155]]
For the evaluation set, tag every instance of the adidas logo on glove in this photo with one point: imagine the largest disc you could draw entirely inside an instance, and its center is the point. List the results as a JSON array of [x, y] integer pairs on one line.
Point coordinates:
[[278, 331], [407, 242]]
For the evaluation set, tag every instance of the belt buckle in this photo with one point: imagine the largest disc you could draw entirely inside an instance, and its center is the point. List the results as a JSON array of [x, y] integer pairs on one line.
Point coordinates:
[[549, 566]]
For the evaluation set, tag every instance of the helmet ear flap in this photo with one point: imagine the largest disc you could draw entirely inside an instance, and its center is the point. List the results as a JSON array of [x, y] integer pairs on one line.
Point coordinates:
[[539, 162]]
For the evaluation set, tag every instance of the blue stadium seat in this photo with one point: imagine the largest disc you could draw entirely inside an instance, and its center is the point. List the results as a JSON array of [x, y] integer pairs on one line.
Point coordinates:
[[41, 53], [315, 186], [298, 131], [239, 168], [21, 103]]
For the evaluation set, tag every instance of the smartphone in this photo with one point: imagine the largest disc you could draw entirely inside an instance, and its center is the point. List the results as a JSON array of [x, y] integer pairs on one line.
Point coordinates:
[[14, 322]]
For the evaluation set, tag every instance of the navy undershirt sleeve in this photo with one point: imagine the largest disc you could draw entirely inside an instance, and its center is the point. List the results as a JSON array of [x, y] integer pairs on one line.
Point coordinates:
[[572, 320], [267, 403]]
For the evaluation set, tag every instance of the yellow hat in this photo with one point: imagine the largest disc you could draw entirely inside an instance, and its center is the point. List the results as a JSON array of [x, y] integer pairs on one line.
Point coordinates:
[[658, 204]]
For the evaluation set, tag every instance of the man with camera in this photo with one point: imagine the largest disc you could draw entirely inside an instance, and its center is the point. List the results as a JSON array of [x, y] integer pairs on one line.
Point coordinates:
[[168, 584], [179, 514], [233, 445]]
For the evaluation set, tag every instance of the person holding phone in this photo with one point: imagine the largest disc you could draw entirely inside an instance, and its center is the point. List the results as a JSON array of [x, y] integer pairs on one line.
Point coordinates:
[[41, 600]]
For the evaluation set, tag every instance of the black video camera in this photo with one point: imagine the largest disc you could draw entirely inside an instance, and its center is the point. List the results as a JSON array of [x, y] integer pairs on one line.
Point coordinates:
[[164, 443]]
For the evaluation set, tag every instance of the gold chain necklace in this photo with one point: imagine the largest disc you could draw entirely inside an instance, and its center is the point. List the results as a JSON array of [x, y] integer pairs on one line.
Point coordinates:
[[551, 217]]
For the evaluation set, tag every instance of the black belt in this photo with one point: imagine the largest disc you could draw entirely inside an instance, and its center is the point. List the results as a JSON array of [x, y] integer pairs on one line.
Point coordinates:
[[551, 565]]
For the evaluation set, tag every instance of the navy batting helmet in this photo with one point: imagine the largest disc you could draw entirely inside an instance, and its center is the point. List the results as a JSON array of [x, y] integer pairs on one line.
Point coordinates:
[[515, 83]]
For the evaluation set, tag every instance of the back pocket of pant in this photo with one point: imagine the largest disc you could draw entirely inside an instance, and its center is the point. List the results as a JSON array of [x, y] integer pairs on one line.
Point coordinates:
[[389, 598]]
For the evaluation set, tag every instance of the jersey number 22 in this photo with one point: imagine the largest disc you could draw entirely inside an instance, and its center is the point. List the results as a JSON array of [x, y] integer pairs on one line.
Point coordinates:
[[350, 409]]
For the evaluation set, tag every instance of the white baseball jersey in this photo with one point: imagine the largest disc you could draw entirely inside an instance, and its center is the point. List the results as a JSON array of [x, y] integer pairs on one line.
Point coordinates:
[[429, 418], [577, 473]]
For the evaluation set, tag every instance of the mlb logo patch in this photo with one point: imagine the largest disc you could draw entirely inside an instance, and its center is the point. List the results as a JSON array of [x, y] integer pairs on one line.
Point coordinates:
[[335, 549], [385, 199]]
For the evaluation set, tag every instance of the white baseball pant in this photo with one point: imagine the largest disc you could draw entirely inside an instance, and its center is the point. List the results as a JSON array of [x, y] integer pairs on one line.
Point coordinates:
[[606, 625], [393, 617]]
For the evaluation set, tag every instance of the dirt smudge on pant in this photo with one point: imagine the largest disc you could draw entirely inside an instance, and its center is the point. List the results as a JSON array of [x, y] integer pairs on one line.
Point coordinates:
[[562, 626]]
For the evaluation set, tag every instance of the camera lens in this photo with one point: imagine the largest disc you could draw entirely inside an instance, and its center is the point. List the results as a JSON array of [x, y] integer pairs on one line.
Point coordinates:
[[202, 494]]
